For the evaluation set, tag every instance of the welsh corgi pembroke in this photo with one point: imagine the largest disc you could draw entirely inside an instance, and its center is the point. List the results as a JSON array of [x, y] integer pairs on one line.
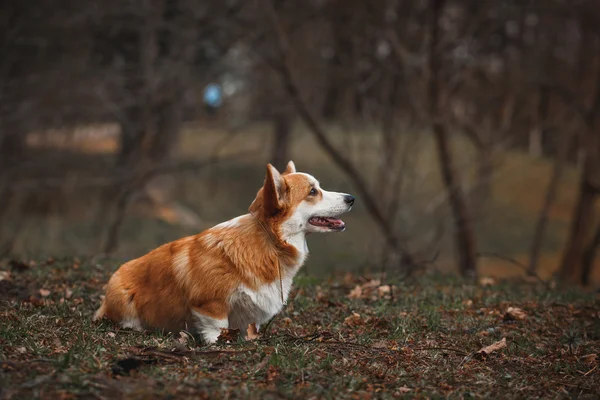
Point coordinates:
[[237, 274]]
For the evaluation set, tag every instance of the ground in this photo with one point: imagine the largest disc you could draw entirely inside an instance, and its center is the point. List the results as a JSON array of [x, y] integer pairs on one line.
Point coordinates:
[[346, 337]]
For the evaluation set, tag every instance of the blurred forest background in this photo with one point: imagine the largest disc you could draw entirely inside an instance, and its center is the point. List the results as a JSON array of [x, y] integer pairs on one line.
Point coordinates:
[[469, 130]]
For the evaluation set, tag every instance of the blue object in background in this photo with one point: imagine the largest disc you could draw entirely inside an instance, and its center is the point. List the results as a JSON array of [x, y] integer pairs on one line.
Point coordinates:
[[213, 95]]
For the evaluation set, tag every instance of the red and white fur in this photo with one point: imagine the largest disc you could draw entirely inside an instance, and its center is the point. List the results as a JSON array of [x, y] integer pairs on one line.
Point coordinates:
[[235, 275]]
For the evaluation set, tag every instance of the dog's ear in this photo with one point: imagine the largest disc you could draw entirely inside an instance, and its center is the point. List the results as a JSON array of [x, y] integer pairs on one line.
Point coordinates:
[[290, 169], [273, 190]]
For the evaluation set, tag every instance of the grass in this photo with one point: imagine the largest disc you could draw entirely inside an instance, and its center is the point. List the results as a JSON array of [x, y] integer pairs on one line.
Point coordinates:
[[419, 339]]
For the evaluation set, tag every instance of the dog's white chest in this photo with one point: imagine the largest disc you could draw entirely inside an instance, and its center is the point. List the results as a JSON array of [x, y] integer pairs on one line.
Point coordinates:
[[259, 306]]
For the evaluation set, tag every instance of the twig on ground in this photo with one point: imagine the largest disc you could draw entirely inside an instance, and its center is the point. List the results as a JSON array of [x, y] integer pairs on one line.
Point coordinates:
[[462, 353], [177, 354], [35, 360], [590, 371]]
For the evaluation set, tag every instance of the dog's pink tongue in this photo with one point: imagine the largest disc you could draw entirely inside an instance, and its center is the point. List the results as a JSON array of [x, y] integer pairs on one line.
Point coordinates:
[[326, 221]]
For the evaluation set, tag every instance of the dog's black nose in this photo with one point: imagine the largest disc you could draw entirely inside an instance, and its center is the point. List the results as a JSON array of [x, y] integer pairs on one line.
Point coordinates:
[[349, 199]]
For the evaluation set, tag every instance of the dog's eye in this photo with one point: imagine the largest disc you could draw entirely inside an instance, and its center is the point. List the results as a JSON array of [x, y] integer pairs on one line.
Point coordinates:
[[313, 192]]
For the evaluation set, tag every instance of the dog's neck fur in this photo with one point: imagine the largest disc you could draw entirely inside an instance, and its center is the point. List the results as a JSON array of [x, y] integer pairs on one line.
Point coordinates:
[[297, 240]]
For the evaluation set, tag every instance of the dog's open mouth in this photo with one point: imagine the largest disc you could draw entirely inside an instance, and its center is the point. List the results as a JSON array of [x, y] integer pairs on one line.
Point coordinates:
[[328, 222]]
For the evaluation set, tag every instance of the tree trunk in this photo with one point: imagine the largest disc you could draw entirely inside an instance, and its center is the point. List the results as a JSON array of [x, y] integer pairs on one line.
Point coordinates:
[[540, 227], [572, 268], [387, 183], [536, 135], [483, 186], [332, 96], [151, 126], [339, 19], [131, 136], [387, 175], [589, 257], [169, 119], [12, 145], [535, 141], [137, 119], [12, 150], [572, 263], [282, 132], [464, 235]]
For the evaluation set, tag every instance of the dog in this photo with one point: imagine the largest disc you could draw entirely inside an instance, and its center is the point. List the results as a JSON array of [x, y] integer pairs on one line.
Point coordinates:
[[235, 275]]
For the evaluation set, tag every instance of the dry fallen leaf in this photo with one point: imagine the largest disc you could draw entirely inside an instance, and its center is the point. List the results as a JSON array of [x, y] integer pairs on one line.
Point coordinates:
[[514, 314], [373, 283], [487, 281], [348, 278], [321, 295], [486, 351], [381, 344], [252, 332], [403, 389], [272, 373], [4, 275], [228, 335], [354, 320], [384, 289], [183, 338], [111, 334], [355, 293], [531, 279], [590, 358], [35, 301]]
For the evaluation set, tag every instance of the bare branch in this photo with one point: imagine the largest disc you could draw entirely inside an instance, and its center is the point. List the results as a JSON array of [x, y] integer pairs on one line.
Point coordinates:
[[338, 158]]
